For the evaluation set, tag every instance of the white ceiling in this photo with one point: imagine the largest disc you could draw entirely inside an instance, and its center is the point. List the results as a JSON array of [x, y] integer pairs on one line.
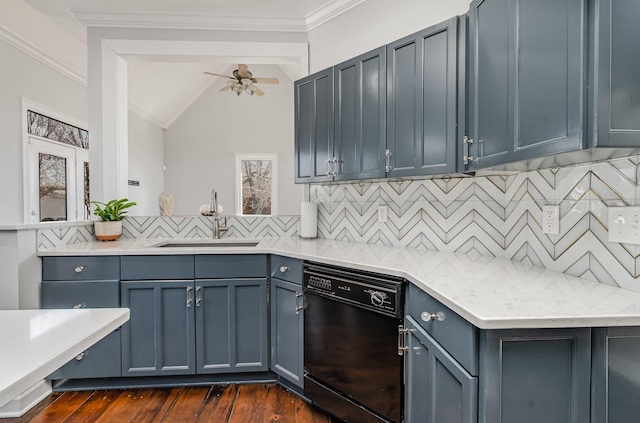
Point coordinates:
[[161, 87]]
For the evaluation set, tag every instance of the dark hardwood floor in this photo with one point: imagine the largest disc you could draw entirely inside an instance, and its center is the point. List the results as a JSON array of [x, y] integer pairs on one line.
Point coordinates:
[[217, 404]]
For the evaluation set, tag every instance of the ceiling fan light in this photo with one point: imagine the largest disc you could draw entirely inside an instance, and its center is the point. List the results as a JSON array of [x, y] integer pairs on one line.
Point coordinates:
[[231, 84], [246, 82], [250, 89]]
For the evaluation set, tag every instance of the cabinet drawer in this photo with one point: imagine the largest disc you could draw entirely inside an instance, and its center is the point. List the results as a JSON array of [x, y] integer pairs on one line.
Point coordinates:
[[100, 360], [80, 268], [231, 266], [454, 333], [157, 267], [286, 268], [71, 294]]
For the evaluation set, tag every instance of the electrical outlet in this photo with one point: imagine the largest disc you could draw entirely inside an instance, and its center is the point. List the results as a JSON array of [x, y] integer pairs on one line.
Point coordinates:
[[551, 220], [382, 214], [624, 224]]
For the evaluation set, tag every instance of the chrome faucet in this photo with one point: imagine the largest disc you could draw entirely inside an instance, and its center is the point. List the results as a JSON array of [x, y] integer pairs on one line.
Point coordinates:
[[213, 208]]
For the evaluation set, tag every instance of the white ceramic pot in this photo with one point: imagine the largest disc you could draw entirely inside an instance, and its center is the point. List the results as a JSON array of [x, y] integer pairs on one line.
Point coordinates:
[[107, 231]]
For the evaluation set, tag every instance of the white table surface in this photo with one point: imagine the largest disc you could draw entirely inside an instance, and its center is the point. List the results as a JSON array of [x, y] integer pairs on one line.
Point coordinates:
[[490, 292], [35, 343]]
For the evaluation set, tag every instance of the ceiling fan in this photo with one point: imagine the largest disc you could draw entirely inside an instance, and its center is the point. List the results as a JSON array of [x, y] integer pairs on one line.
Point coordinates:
[[243, 80]]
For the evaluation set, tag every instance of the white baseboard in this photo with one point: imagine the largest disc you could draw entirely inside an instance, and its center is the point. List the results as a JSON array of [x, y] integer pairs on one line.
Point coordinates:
[[25, 401]]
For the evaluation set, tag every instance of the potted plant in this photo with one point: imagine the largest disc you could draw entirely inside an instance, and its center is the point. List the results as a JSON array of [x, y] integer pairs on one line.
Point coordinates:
[[109, 227]]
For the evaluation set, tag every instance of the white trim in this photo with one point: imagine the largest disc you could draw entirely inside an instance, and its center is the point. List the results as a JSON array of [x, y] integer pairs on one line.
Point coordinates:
[[238, 181], [29, 49], [189, 21], [134, 109], [328, 12]]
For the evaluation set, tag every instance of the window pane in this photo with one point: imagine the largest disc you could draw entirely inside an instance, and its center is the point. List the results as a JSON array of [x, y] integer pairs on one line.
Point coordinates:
[[256, 187], [53, 187], [46, 127]]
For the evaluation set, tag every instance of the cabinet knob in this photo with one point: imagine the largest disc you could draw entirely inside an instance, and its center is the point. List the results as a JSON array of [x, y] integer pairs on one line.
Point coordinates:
[[284, 268], [78, 306], [80, 269], [427, 317], [81, 356]]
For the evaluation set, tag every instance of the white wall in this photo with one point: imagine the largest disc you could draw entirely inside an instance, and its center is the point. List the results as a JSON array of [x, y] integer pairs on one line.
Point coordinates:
[[23, 76], [375, 23], [200, 145], [146, 155]]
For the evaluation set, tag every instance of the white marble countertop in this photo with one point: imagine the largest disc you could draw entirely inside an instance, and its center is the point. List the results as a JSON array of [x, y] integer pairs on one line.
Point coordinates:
[[491, 293], [35, 343]]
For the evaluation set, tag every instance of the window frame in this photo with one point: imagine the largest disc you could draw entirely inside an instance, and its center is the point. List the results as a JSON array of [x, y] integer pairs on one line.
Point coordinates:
[[239, 158]]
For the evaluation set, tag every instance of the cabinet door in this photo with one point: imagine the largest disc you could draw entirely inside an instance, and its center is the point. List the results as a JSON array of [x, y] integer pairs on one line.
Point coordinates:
[[360, 116], [438, 389], [314, 127], [617, 92], [535, 375], [159, 338], [616, 375], [421, 101], [231, 323], [526, 79], [287, 330]]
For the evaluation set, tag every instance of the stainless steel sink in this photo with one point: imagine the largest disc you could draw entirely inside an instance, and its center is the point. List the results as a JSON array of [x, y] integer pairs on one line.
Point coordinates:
[[205, 244]]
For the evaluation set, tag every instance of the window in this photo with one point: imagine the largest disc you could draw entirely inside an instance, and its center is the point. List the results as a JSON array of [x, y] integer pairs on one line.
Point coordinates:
[[56, 162], [256, 182]]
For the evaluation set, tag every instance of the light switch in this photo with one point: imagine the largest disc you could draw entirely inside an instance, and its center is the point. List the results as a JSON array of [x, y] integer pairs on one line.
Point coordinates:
[[624, 224]]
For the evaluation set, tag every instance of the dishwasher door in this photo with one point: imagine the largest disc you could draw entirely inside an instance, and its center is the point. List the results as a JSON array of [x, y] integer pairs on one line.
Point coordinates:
[[354, 353]]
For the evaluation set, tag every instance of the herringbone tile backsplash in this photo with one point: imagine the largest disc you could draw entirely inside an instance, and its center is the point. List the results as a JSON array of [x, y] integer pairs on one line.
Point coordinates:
[[497, 216]]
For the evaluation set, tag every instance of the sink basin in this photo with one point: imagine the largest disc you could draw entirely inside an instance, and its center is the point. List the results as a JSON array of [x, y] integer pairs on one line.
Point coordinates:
[[205, 244]]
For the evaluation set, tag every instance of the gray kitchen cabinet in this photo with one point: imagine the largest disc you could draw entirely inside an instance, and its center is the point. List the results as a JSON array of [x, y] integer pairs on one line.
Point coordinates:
[[314, 128], [231, 325], [422, 72], [360, 117], [85, 282], [617, 87], [287, 319], [535, 375], [203, 323], [438, 389], [526, 80], [159, 338], [616, 375]]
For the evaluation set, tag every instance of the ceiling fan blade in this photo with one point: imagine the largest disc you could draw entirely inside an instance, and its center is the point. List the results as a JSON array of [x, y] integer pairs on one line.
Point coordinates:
[[265, 81], [243, 70], [217, 74], [258, 91], [225, 88]]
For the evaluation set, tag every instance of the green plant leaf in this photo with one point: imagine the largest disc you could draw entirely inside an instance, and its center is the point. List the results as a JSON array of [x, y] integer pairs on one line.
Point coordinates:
[[113, 210]]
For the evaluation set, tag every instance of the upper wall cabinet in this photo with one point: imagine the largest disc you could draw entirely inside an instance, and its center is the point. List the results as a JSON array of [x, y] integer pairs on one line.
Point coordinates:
[[360, 117], [616, 76], [314, 127], [421, 102], [526, 79]]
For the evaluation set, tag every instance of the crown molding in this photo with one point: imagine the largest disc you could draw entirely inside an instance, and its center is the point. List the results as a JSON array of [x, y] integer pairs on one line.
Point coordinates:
[[189, 21], [329, 11], [29, 49], [144, 115]]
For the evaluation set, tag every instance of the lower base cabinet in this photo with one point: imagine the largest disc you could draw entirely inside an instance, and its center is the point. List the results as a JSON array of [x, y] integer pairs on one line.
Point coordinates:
[[189, 327], [287, 331], [616, 375], [438, 389], [533, 376]]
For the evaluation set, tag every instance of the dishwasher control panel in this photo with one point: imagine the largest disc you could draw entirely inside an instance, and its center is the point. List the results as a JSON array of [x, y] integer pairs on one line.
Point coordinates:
[[365, 290]]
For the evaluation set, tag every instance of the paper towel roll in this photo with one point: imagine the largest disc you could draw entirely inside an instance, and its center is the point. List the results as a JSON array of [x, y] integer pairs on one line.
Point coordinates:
[[308, 220]]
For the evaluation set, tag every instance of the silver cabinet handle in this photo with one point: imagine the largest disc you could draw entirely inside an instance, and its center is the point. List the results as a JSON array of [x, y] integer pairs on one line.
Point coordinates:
[[284, 268], [189, 296], [81, 356], [80, 269], [427, 317], [387, 159], [466, 158], [402, 341], [298, 307], [78, 306], [198, 296]]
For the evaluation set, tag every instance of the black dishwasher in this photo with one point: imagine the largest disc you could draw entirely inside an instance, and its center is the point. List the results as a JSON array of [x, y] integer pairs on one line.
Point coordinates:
[[351, 361]]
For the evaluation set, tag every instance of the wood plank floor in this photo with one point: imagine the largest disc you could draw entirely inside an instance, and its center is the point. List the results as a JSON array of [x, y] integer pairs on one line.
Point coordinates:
[[255, 403]]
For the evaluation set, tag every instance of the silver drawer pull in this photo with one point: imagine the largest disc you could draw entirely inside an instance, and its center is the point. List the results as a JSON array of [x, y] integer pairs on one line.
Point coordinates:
[[80, 269], [427, 317], [284, 268], [78, 306], [81, 356]]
